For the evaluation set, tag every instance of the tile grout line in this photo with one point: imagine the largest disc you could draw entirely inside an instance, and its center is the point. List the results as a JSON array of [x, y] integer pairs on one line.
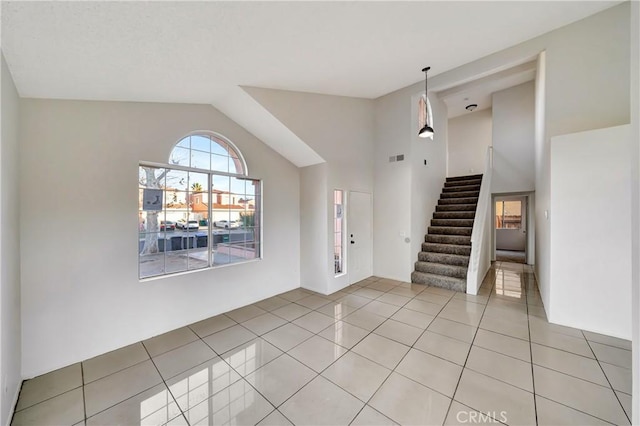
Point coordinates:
[[533, 377], [164, 382], [606, 377], [469, 353], [84, 397]]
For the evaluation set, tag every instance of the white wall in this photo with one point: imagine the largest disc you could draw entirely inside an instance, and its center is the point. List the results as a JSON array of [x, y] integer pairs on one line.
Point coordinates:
[[635, 197], [542, 246], [340, 130], [392, 196], [510, 239], [469, 137], [80, 291], [513, 139], [10, 330], [313, 227], [590, 256], [406, 192]]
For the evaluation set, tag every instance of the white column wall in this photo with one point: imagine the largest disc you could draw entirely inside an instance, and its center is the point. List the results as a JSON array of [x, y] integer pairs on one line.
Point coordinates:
[[635, 199], [590, 251], [10, 327], [313, 227]]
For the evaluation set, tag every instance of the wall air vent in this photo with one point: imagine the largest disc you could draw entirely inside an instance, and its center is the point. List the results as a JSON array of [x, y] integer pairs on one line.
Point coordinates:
[[400, 157]]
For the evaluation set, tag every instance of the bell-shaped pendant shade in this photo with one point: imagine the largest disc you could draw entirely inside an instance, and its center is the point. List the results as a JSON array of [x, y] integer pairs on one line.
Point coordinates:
[[427, 130]]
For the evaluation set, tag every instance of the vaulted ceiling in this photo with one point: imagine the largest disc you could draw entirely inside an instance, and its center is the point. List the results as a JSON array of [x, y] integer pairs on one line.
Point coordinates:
[[203, 52], [191, 51]]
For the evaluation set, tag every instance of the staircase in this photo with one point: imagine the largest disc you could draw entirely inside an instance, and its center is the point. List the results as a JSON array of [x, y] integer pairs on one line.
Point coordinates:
[[444, 258]]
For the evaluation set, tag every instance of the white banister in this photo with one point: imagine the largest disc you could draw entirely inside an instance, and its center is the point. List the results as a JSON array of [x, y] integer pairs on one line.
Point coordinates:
[[480, 260]]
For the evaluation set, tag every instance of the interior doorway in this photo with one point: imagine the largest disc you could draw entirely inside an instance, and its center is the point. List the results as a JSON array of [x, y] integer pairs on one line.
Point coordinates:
[[512, 236]]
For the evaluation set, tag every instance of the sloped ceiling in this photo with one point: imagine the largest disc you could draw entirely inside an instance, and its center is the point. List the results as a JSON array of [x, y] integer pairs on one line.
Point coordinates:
[[202, 52]]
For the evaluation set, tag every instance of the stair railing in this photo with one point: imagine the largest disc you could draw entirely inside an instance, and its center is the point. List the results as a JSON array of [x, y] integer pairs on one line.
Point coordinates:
[[480, 259]]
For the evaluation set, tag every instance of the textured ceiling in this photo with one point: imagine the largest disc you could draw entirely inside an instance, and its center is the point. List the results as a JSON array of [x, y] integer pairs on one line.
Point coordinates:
[[197, 51]]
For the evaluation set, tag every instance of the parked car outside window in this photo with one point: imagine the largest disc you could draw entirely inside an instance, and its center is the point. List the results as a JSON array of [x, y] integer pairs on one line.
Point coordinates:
[[167, 225], [226, 224], [183, 224]]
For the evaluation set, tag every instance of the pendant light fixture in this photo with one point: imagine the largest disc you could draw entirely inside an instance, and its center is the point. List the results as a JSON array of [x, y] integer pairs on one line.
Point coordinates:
[[427, 130]]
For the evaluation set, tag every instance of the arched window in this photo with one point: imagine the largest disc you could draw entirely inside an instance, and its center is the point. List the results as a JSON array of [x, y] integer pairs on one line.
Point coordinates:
[[201, 210], [422, 116], [208, 152]]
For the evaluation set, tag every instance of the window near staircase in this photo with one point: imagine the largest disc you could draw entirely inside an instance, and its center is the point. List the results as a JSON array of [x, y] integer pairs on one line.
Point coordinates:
[[508, 214], [338, 231]]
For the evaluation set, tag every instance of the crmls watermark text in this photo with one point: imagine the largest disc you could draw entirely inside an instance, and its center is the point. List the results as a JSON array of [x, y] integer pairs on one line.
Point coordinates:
[[476, 417]]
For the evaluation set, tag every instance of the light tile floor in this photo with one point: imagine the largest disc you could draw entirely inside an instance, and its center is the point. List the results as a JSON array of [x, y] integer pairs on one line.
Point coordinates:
[[379, 352]]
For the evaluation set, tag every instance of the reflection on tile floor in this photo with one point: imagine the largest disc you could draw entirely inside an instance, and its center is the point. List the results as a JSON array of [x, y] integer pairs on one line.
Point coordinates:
[[378, 352]]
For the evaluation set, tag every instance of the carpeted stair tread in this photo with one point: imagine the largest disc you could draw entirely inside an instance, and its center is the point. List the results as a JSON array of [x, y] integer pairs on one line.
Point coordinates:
[[448, 239], [466, 222], [451, 283], [459, 178], [462, 188], [461, 194], [444, 258], [450, 230], [441, 269], [457, 208], [465, 200], [462, 183], [446, 248]]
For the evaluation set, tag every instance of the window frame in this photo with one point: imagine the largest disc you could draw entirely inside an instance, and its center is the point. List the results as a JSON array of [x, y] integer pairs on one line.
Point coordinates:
[[210, 174], [342, 259]]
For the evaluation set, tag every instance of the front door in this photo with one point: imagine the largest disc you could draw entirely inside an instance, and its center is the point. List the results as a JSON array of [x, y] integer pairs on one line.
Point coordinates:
[[359, 236]]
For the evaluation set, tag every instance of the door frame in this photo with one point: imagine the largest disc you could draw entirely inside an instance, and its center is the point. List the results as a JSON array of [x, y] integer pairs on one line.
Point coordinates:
[[528, 199]]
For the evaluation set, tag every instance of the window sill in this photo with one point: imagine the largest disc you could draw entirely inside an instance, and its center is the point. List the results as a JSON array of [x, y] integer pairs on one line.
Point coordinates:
[[193, 271]]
